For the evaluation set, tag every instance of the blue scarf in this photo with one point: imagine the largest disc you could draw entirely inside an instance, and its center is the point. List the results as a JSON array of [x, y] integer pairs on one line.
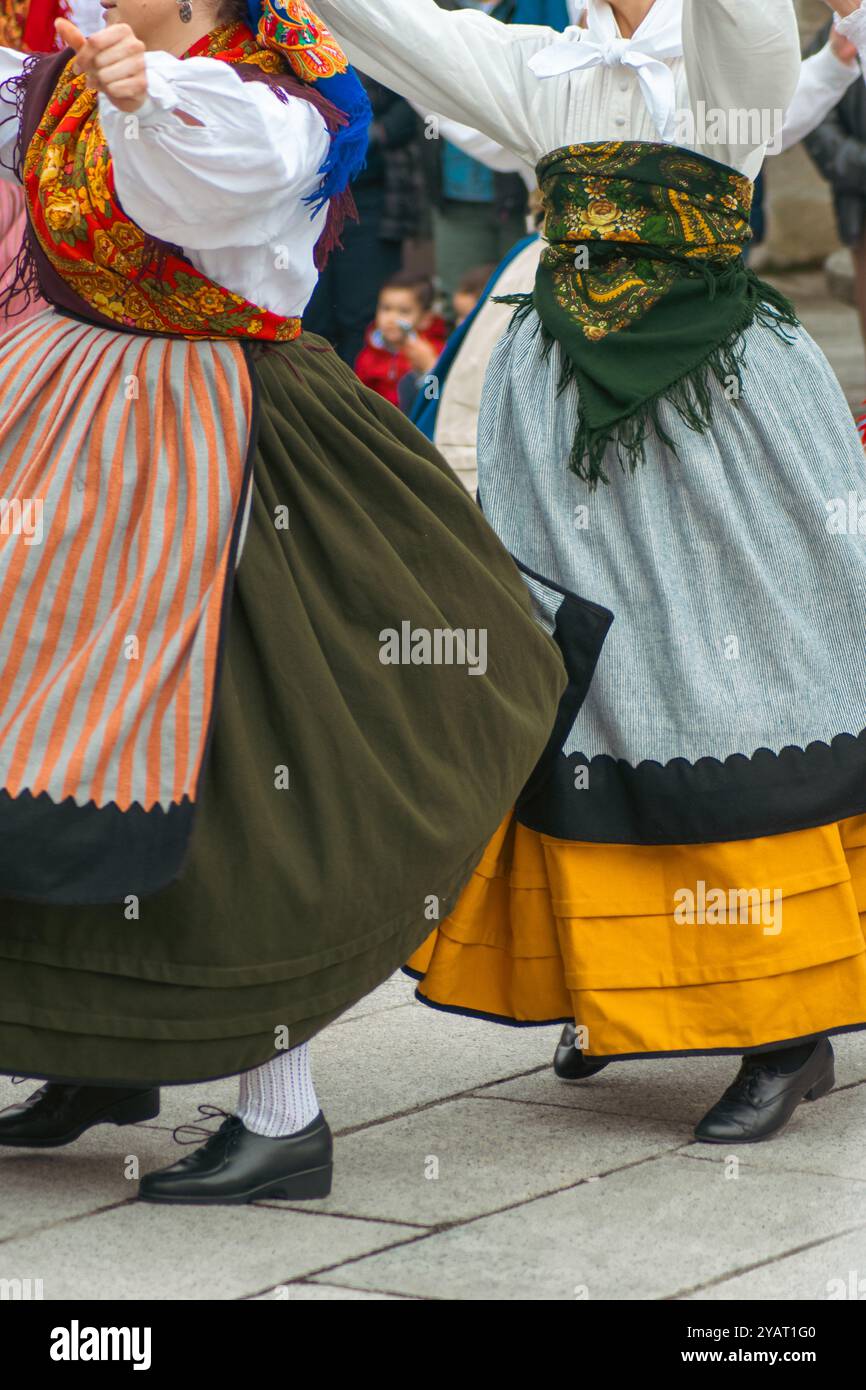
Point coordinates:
[[291, 28]]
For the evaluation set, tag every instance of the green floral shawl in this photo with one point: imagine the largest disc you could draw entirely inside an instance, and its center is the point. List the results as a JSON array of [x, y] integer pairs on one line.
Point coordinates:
[[644, 285]]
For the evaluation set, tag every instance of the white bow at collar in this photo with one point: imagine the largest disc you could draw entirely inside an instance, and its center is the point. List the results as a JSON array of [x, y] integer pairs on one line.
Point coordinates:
[[659, 37]]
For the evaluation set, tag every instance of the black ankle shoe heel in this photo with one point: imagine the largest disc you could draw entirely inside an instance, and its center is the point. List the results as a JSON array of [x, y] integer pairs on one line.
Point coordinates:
[[135, 1109], [823, 1087], [301, 1186]]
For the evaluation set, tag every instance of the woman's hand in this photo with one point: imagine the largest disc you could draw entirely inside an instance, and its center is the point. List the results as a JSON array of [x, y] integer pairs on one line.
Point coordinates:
[[112, 60], [845, 50]]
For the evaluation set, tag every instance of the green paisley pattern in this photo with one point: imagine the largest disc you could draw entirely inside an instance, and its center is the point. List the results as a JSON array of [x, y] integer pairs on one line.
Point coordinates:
[[626, 203], [643, 285]]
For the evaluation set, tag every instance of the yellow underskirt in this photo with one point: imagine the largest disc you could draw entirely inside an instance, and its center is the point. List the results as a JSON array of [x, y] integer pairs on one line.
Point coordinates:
[[552, 929]]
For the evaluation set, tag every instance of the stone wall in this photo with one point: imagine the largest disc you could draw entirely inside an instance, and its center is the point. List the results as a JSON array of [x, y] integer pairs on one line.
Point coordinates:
[[801, 228]]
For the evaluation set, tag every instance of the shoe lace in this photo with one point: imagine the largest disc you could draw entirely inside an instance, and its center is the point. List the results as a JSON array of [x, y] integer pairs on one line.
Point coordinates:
[[207, 1112], [747, 1082]]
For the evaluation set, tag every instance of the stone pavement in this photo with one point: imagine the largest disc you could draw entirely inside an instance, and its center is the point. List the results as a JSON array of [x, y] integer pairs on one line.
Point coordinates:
[[465, 1170]]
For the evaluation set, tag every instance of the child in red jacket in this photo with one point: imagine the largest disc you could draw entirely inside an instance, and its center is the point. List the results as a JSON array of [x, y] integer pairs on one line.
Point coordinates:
[[405, 339]]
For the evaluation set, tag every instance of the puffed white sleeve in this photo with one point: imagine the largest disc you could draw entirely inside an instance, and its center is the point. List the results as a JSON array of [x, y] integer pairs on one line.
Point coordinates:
[[11, 63], [224, 175], [824, 80], [743, 59], [462, 64]]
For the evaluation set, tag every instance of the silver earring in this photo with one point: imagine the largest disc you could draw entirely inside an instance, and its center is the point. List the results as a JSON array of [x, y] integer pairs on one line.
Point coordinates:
[[184, 9]]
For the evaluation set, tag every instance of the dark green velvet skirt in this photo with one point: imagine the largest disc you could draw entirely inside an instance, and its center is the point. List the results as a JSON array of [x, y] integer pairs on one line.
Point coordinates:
[[345, 802]]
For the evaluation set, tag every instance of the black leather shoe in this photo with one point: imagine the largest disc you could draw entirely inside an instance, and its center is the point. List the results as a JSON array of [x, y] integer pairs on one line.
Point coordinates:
[[56, 1114], [762, 1099], [569, 1062], [235, 1166]]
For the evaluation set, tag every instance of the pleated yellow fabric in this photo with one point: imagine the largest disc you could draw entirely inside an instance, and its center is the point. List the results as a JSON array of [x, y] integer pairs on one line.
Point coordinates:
[[664, 948]]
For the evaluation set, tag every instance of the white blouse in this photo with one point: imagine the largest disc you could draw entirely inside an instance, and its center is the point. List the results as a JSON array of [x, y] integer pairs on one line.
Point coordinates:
[[739, 55], [229, 190]]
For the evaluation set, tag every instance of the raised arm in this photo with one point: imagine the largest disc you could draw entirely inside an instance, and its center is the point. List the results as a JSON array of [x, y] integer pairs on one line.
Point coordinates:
[[742, 58], [824, 80], [209, 150], [459, 63], [200, 158]]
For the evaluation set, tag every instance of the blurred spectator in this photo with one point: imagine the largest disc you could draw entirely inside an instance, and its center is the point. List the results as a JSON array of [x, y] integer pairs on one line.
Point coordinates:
[[838, 147], [404, 341], [478, 213], [470, 290], [389, 194]]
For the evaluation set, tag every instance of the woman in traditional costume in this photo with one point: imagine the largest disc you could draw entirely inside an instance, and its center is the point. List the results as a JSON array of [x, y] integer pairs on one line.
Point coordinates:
[[660, 436], [259, 707], [449, 416]]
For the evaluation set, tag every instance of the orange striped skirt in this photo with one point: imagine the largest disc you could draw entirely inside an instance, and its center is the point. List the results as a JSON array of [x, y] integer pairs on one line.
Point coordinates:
[[125, 460], [660, 949]]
